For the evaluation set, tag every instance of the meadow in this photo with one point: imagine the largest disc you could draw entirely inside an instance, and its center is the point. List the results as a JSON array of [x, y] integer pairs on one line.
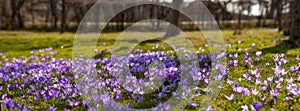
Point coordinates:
[[261, 72]]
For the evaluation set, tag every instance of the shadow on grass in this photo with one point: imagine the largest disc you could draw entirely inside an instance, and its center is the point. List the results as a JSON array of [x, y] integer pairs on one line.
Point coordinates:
[[105, 53], [283, 47]]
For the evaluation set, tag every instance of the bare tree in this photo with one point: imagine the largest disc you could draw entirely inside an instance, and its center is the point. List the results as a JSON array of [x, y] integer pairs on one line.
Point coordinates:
[[279, 14], [249, 9], [267, 7], [16, 20], [3, 14], [175, 20], [263, 4], [242, 6], [63, 24], [273, 9], [225, 13], [159, 14], [79, 12], [32, 13], [295, 27], [47, 17], [53, 10]]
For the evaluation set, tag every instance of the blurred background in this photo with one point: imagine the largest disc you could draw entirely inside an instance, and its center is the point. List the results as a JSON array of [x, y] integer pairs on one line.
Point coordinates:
[[65, 15]]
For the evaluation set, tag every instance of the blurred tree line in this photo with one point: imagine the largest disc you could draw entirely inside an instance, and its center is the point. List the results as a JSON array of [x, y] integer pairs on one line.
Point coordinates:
[[65, 15]]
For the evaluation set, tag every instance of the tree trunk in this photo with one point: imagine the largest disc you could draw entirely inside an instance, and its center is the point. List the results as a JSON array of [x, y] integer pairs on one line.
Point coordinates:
[[13, 15], [159, 15], [63, 17], [265, 17], [32, 14], [279, 14], [1, 13], [239, 25], [273, 8], [20, 20], [295, 27], [260, 17], [239, 22], [249, 18], [79, 13], [53, 5], [16, 20], [4, 15], [173, 28]]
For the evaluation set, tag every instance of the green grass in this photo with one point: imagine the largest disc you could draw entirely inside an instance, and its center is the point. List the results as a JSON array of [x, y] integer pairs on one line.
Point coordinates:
[[20, 43]]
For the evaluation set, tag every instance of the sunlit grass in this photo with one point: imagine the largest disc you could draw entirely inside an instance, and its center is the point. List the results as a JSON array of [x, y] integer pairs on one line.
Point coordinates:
[[20, 43]]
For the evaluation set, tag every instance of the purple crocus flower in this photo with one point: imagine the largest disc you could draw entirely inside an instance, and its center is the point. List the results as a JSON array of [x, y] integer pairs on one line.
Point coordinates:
[[270, 79], [229, 97], [209, 109], [256, 106], [85, 104], [247, 54], [244, 107], [239, 89], [278, 86], [235, 63], [253, 45], [277, 70], [246, 92], [274, 93], [290, 80], [51, 108], [287, 99], [276, 58], [264, 87], [230, 63], [298, 58], [236, 55], [230, 82], [272, 100], [73, 103], [194, 104], [257, 81], [246, 75], [206, 81], [258, 53], [255, 92], [294, 68]]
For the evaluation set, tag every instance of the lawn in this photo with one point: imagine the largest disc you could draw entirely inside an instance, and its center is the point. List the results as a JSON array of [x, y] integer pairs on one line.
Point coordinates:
[[20, 43], [243, 58]]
